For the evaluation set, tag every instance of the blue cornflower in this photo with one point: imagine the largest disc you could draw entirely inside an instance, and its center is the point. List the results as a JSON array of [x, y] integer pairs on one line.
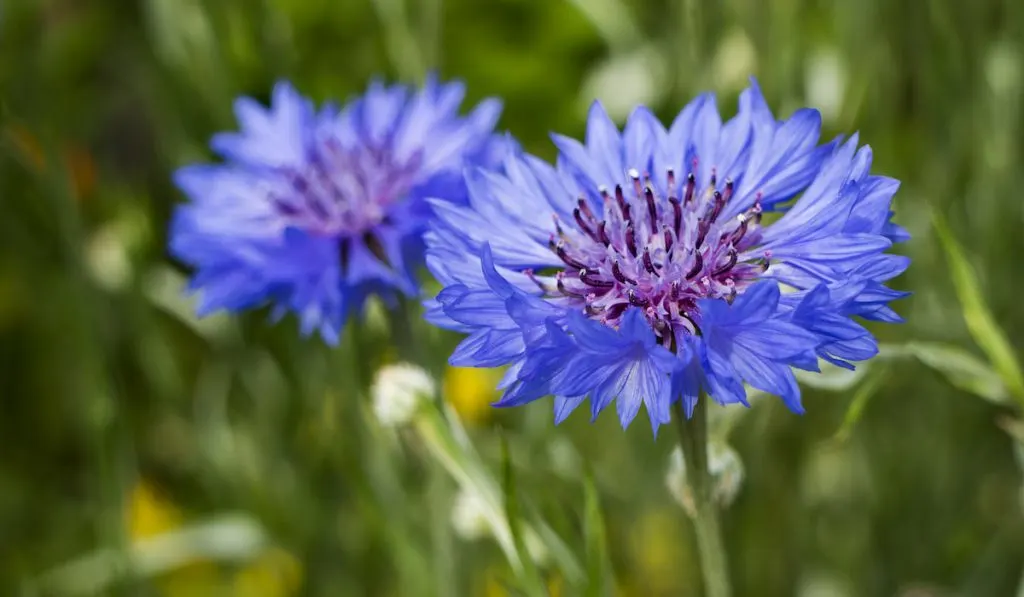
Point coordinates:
[[640, 267], [315, 210]]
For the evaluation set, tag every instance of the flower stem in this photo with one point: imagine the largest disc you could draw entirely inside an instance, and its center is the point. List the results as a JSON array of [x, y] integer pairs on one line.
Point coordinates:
[[693, 438]]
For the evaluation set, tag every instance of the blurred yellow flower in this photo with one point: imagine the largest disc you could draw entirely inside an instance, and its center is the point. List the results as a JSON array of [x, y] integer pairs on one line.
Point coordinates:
[[148, 514], [274, 573], [470, 391]]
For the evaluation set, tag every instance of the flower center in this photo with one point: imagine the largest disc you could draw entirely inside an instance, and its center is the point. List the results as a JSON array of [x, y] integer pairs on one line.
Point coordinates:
[[661, 255], [343, 191]]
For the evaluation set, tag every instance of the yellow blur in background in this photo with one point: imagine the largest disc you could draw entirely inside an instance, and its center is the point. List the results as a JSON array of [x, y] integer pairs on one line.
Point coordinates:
[[273, 573], [471, 391]]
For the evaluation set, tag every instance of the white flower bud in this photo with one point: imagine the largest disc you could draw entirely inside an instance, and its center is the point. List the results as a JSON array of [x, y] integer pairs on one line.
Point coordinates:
[[398, 391], [469, 516], [726, 470]]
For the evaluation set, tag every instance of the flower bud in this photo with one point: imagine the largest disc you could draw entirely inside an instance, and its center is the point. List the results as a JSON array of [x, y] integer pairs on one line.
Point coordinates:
[[726, 470], [469, 516], [398, 391]]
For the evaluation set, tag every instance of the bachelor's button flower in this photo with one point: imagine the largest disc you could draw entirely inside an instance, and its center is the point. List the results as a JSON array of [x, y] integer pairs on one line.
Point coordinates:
[[640, 267], [315, 210]]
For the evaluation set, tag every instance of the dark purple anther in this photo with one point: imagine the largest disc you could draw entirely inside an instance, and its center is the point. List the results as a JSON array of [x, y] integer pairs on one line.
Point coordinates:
[[285, 209], [698, 265], [582, 223], [728, 265], [727, 195], [671, 181], [584, 207], [635, 300], [560, 283], [602, 233], [741, 230], [621, 277], [648, 263], [589, 277], [702, 232], [714, 178], [631, 241], [564, 256], [620, 198], [300, 184], [691, 183], [652, 209], [716, 208], [677, 214], [533, 278], [667, 235], [615, 311], [637, 187]]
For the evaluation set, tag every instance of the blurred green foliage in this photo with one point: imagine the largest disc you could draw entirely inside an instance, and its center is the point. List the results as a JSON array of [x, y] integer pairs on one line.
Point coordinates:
[[250, 454]]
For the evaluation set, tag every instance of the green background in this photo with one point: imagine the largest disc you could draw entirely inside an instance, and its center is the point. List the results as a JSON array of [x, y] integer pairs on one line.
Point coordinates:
[[901, 480]]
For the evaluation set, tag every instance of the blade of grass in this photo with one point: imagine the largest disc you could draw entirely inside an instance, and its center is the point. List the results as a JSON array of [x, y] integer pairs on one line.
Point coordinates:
[[598, 572], [980, 322], [529, 577]]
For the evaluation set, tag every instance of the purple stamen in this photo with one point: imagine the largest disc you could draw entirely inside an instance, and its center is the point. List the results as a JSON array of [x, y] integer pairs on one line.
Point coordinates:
[[635, 300], [691, 183], [635, 176], [648, 263], [631, 241], [584, 207], [733, 257], [588, 278], [652, 209], [716, 208], [677, 215], [698, 265], [702, 232], [615, 310], [620, 198], [621, 277], [565, 257], [582, 223], [602, 234]]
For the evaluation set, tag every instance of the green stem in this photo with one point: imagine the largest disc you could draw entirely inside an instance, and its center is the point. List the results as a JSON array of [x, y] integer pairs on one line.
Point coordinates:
[[693, 438]]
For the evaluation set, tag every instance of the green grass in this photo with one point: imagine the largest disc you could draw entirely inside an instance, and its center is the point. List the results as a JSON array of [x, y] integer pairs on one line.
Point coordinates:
[[901, 478]]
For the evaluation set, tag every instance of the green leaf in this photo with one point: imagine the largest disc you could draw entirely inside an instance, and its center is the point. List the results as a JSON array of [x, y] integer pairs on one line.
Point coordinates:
[[962, 369], [982, 325], [860, 401], [598, 572], [529, 576]]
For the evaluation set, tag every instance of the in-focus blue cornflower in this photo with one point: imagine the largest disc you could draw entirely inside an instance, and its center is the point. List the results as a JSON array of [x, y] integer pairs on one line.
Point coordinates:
[[640, 268], [314, 211]]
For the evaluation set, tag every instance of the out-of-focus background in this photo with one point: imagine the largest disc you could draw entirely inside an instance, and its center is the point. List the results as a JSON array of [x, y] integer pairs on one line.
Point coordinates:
[[145, 452]]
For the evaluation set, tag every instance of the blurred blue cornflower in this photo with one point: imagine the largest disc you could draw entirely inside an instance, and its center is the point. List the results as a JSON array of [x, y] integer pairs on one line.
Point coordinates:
[[314, 211], [640, 268]]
